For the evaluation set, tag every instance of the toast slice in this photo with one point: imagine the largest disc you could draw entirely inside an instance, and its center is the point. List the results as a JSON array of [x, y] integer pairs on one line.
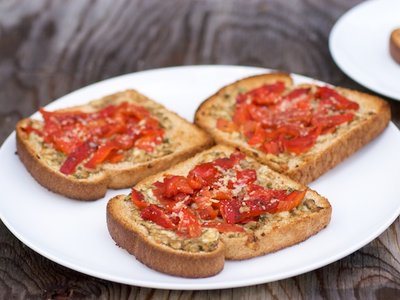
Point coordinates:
[[241, 209], [301, 131], [125, 137]]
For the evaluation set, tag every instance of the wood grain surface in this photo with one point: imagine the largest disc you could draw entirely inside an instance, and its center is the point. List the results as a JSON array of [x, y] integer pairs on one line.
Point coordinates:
[[49, 48]]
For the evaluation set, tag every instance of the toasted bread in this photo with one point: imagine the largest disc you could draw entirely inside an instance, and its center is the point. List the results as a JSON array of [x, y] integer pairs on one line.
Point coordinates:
[[369, 120], [167, 251], [394, 45], [181, 140]]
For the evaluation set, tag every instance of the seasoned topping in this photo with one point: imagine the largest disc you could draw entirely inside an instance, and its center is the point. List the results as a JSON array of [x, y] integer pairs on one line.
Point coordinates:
[[90, 139], [221, 194], [276, 120]]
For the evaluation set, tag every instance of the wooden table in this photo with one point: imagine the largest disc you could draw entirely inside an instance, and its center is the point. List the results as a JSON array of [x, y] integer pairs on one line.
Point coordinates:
[[50, 48]]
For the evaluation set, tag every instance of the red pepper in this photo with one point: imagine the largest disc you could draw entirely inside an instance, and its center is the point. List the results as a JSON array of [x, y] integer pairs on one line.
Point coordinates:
[[155, 214], [335, 99], [246, 177], [226, 126], [172, 186], [301, 144], [188, 225], [230, 211], [76, 157], [205, 173], [223, 227], [30, 129], [228, 162], [272, 147], [291, 201], [326, 122], [204, 205], [241, 114], [297, 93], [100, 155], [138, 199], [258, 137], [267, 94]]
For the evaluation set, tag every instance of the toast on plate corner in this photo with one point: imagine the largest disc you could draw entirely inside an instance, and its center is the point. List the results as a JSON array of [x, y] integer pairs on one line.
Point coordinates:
[[112, 142]]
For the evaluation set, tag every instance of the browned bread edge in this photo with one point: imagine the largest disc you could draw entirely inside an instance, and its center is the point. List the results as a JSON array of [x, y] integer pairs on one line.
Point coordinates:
[[394, 45], [159, 257], [55, 181]]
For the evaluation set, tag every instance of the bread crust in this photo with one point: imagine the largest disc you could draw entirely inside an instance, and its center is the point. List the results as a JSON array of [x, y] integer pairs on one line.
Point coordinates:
[[282, 230], [156, 256], [394, 45], [56, 181], [114, 176], [310, 167]]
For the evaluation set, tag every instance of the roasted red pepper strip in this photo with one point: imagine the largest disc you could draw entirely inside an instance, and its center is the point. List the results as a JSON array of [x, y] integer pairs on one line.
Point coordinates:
[[223, 227], [326, 122], [266, 94], [188, 224], [291, 201], [272, 147], [76, 157], [206, 173], [230, 211], [337, 100], [172, 186], [100, 155], [204, 205], [246, 177], [259, 136], [299, 144], [138, 199], [226, 126], [30, 129], [155, 214], [260, 203], [228, 162], [297, 93]]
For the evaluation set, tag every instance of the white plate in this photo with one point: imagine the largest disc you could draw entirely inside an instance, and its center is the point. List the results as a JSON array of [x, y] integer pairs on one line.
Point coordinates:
[[359, 44], [363, 191]]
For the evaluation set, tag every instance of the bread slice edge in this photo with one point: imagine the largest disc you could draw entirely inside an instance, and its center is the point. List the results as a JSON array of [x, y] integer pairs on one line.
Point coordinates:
[[127, 235]]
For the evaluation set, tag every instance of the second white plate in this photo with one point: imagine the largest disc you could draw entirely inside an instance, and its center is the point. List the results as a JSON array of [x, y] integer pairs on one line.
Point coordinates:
[[359, 44]]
